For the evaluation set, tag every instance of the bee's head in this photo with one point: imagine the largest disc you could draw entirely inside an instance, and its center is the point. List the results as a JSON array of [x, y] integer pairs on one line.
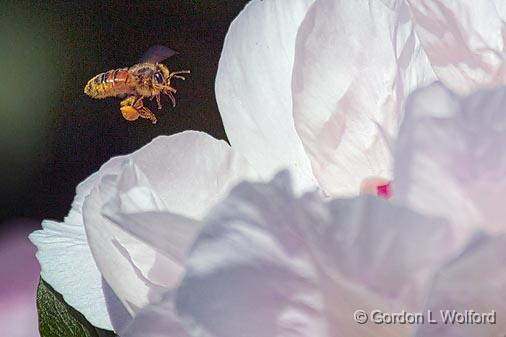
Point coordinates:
[[161, 77]]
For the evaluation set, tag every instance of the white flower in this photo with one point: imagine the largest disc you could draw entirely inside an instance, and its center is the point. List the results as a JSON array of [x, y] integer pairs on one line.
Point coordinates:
[[268, 263], [168, 184], [314, 87]]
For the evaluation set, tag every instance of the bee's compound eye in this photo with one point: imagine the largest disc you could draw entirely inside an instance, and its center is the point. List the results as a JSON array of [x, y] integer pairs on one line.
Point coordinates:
[[159, 78]]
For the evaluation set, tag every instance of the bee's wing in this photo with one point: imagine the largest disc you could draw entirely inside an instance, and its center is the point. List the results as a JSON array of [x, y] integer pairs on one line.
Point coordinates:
[[157, 54]]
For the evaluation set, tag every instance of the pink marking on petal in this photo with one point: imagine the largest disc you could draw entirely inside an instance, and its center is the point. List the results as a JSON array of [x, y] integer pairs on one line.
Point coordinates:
[[377, 186], [384, 191]]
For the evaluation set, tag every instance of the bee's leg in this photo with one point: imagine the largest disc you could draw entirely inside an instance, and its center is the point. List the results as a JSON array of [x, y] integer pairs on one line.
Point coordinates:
[[129, 112], [171, 96], [158, 101], [168, 88], [130, 100], [143, 111], [148, 114]]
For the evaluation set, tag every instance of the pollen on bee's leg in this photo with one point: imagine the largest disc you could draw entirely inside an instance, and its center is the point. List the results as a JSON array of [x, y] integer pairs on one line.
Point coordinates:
[[129, 113], [380, 187]]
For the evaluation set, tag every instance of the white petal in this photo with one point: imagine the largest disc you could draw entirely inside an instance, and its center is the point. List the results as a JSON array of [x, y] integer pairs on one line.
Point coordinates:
[[268, 264], [253, 88], [355, 62], [166, 232], [476, 281], [140, 251], [68, 266], [191, 171], [464, 40], [450, 159], [118, 253]]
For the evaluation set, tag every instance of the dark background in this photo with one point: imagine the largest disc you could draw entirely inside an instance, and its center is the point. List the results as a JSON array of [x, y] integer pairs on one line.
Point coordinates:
[[52, 136]]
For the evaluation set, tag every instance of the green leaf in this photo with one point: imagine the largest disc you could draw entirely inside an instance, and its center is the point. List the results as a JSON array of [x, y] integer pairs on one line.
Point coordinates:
[[58, 319]]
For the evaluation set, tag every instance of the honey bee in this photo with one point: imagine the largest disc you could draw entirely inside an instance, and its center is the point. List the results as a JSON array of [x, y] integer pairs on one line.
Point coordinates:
[[147, 79]]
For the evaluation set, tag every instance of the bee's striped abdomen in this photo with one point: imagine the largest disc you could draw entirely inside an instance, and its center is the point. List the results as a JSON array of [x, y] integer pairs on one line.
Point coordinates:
[[111, 83]]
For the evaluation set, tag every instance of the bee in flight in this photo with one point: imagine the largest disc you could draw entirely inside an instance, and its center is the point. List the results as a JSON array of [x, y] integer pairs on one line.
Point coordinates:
[[147, 79]]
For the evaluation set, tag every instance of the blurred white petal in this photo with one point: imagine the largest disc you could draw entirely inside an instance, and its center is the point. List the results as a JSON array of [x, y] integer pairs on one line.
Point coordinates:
[[67, 263], [269, 264], [465, 40], [253, 88], [157, 320], [450, 159], [475, 281], [355, 62], [162, 190]]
